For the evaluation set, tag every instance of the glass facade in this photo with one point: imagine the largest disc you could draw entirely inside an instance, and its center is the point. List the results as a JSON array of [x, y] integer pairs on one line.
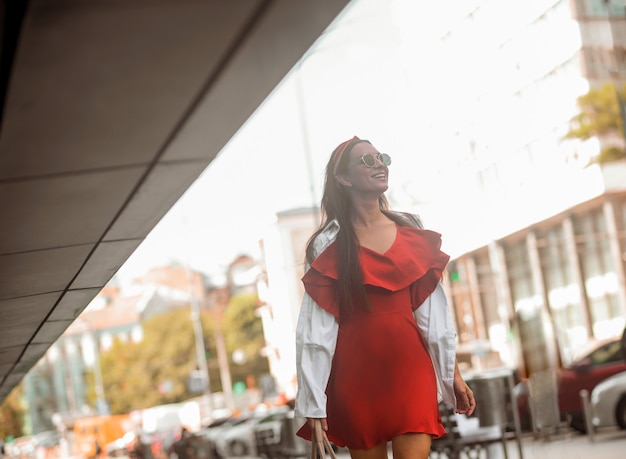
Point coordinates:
[[599, 273], [620, 218], [564, 283], [462, 301], [563, 292], [604, 8], [533, 327]]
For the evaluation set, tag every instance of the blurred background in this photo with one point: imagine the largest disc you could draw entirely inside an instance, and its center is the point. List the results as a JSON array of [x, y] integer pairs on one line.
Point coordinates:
[[506, 124]]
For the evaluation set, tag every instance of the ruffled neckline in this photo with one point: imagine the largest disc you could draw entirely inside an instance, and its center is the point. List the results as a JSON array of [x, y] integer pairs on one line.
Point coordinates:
[[414, 253]]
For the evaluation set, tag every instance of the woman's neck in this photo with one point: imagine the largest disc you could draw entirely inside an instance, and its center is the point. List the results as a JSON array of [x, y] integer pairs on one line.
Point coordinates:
[[366, 216]]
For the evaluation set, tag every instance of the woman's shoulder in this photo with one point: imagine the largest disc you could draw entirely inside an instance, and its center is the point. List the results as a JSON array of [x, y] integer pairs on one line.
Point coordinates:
[[326, 237], [409, 219]]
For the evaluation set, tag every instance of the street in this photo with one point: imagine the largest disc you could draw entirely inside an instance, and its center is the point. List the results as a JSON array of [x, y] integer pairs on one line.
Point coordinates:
[[610, 444]]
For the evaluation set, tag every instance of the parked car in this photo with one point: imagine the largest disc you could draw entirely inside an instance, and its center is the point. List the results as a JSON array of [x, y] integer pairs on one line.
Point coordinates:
[[206, 438], [45, 443], [608, 402], [47, 438], [123, 446], [275, 439], [20, 447], [239, 440], [603, 360], [161, 425]]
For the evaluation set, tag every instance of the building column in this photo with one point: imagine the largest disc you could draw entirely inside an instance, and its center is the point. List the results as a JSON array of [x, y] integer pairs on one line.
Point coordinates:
[[445, 281], [475, 302], [616, 252], [30, 395], [552, 347], [68, 380], [506, 311], [54, 360], [75, 370], [574, 263]]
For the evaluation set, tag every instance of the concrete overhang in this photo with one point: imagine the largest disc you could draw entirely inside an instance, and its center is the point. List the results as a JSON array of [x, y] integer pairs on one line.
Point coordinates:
[[112, 108]]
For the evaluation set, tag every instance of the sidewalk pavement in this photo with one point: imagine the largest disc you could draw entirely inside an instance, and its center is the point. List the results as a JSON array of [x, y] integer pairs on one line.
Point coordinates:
[[610, 444]]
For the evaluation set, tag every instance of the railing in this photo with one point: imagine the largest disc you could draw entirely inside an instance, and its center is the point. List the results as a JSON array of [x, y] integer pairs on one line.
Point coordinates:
[[470, 443]]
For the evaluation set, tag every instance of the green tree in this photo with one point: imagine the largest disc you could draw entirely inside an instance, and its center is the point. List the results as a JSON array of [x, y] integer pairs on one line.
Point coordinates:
[[243, 330], [12, 413], [600, 115], [156, 370]]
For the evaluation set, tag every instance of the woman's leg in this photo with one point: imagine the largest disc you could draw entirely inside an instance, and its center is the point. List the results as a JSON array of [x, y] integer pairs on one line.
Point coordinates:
[[411, 446], [377, 452]]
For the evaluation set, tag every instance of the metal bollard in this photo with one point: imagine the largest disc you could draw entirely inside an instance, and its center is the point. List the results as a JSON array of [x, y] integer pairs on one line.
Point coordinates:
[[584, 395]]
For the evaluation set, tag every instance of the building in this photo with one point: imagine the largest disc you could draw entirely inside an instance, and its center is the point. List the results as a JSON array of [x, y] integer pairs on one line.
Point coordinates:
[[528, 300], [539, 269], [280, 291], [57, 385], [539, 294], [537, 236]]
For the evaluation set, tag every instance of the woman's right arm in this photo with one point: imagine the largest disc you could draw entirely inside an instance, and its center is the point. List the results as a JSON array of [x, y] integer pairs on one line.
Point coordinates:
[[316, 337]]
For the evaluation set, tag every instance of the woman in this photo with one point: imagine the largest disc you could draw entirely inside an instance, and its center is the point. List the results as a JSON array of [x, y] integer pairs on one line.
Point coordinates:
[[375, 341]]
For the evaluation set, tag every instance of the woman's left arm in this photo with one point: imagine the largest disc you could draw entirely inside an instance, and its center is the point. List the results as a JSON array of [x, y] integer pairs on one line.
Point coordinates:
[[434, 320], [465, 401]]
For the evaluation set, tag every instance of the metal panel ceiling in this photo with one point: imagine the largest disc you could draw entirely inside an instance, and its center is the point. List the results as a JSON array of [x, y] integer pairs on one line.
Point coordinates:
[[112, 109]]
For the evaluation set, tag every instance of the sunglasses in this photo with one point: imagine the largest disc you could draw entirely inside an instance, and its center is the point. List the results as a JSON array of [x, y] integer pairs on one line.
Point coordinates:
[[370, 160]]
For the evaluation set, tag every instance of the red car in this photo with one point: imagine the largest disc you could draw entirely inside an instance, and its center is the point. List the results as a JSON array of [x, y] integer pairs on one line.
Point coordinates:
[[603, 360]]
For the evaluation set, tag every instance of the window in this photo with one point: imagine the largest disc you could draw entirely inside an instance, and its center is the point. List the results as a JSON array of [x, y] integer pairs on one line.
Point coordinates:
[[600, 278], [610, 352], [564, 294], [598, 8]]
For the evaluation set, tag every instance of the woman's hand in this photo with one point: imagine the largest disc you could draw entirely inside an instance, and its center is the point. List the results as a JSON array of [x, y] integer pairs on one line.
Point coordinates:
[[324, 423], [465, 402]]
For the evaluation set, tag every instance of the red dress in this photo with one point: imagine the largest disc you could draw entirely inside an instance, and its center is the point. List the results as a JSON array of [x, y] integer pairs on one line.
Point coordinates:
[[382, 381]]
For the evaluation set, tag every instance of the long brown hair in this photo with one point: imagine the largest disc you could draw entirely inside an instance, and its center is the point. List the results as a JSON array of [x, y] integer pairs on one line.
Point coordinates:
[[336, 205]]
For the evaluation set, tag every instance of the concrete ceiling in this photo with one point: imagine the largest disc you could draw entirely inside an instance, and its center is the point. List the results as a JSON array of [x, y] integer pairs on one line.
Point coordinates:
[[111, 109]]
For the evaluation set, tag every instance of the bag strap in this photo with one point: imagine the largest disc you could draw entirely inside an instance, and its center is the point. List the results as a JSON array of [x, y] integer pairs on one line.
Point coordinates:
[[320, 446]]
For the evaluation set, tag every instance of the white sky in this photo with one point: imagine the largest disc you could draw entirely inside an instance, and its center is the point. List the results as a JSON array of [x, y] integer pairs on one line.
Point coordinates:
[[359, 79]]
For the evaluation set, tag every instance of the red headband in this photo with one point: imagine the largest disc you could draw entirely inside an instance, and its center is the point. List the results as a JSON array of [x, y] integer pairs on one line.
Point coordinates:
[[339, 152]]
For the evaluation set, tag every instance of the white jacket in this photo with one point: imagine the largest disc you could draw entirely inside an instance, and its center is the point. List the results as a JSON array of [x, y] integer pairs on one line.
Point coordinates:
[[316, 338]]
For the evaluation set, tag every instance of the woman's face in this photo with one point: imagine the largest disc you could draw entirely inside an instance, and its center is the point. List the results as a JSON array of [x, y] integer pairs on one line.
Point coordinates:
[[363, 178]]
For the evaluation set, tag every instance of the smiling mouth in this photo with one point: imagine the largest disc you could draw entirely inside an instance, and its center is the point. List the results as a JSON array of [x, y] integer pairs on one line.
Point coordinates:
[[381, 175]]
